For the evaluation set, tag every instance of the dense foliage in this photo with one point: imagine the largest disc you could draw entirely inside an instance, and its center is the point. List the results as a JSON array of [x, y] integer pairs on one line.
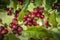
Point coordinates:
[[29, 20]]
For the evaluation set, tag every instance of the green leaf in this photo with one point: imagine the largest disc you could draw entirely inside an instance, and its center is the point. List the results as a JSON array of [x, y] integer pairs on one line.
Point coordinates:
[[55, 33], [46, 13], [35, 32], [31, 7], [24, 36], [56, 36], [37, 3], [25, 4], [58, 19], [52, 19], [5, 18], [11, 36], [49, 3], [58, 10], [15, 2]]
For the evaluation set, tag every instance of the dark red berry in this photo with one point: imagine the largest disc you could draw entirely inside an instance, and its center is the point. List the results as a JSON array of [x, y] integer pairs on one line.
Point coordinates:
[[4, 31], [19, 29], [47, 23], [1, 28], [29, 19], [34, 21], [25, 23], [29, 23], [35, 10], [14, 21], [29, 15], [38, 15], [19, 33], [25, 16], [14, 31], [17, 11], [35, 24], [9, 12], [20, 2], [41, 9], [32, 15], [24, 19], [13, 26], [16, 15], [41, 16]]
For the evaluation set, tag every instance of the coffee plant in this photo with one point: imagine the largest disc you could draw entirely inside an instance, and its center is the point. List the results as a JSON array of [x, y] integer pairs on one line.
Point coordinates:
[[29, 20]]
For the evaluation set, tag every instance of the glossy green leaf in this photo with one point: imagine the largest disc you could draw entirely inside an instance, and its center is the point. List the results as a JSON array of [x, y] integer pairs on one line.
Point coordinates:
[[52, 19], [37, 3], [35, 32], [5, 18], [31, 7], [58, 14], [25, 4], [56, 36], [15, 2], [55, 33], [11, 36]]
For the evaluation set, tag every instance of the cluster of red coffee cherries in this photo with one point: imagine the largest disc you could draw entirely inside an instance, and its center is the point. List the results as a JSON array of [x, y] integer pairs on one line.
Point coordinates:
[[29, 21], [16, 28], [30, 18], [9, 10], [39, 12]]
